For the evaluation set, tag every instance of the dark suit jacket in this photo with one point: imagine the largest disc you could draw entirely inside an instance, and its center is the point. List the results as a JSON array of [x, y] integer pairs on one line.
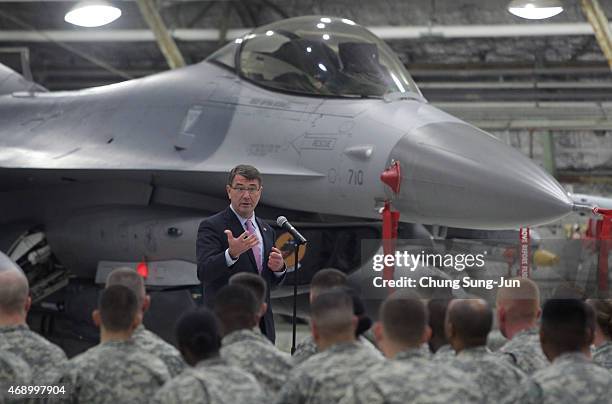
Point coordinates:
[[213, 271]]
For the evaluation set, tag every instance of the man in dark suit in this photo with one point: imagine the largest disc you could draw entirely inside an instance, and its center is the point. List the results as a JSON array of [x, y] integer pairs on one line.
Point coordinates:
[[235, 240]]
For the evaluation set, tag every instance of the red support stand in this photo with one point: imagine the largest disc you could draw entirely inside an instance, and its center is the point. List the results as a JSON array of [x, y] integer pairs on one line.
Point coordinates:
[[389, 236]]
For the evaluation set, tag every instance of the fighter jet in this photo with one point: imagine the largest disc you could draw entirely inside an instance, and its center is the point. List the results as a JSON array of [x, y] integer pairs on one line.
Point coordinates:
[[123, 174]]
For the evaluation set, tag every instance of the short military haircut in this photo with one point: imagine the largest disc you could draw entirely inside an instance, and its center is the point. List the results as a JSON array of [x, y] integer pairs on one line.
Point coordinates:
[[236, 307], [247, 171], [326, 279], [14, 289], [332, 312], [404, 317], [521, 303], [197, 332], [254, 283], [471, 319], [130, 279], [117, 306], [566, 324], [603, 315]]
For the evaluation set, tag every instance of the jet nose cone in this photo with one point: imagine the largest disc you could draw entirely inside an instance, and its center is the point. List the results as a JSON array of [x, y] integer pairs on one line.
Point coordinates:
[[457, 175]]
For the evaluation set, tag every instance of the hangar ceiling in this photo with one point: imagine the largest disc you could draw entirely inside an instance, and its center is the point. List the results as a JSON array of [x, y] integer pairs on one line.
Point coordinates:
[[511, 76]]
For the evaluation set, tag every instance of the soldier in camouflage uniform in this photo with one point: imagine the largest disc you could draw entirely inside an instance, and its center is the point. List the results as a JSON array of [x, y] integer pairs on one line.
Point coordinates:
[[211, 380], [324, 377], [239, 311], [410, 376], [518, 310], [43, 357], [566, 333], [116, 370], [468, 322], [322, 281], [144, 338], [602, 352]]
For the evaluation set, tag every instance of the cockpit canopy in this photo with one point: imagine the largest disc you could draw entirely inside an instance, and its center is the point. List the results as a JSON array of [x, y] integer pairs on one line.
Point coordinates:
[[317, 56]]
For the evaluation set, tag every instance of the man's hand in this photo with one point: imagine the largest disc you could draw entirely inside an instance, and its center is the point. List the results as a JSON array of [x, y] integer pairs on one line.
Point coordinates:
[[275, 260], [240, 244]]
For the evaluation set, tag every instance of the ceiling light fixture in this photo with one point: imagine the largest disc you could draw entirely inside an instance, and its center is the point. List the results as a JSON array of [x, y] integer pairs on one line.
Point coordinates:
[[535, 9], [92, 14]]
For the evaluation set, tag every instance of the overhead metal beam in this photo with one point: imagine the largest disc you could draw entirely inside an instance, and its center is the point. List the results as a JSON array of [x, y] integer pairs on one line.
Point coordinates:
[[601, 26], [389, 33], [164, 40]]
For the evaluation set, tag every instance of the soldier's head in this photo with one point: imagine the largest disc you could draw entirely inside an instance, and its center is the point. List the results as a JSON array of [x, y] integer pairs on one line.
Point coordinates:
[[237, 308], [603, 319], [327, 279], [244, 186], [14, 293], [567, 325], [197, 335], [133, 281], [332, 318], [518, 308], [402, 323], [255, 284], [436, 308], [117, 314], [468, 322]]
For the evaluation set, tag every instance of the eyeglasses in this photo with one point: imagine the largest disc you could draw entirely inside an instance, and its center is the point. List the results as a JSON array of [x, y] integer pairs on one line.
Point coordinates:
[[251, 190]]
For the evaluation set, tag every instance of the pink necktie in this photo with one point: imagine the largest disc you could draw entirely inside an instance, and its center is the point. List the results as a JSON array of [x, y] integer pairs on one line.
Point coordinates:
[[256, 249]]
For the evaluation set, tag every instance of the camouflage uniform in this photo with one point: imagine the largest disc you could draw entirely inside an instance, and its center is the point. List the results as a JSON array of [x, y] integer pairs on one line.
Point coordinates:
[[412, 378], [602, 355], [13, 371], [304, 350], [572, 378], [324, 377], [308, 347], [496, 377], [44, 358], [212, 381], [444, 354], [114, 372], [156, 346], [253, 352], [524, 351]]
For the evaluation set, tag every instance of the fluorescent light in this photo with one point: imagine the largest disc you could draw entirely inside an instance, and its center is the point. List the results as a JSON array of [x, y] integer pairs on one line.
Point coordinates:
[[92, 14], [535, 9]]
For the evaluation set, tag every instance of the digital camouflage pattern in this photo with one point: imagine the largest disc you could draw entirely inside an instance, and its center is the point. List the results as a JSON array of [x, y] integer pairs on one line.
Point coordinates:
[[412, 378], [212, 381], [304, 350], [572, 378], [156, 346], [444, 354], [524, 351], [496, 377], [307, 347], [44, 358], [13, 370], [324, 377], [253, 352], [114, 372], [602, 355]]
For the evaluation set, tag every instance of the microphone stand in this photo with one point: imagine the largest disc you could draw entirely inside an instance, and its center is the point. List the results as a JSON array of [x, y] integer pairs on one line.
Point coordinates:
[[295, 283]]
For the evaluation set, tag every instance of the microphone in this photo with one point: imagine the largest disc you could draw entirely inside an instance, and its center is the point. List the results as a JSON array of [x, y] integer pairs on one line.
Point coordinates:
[[284, 223]]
